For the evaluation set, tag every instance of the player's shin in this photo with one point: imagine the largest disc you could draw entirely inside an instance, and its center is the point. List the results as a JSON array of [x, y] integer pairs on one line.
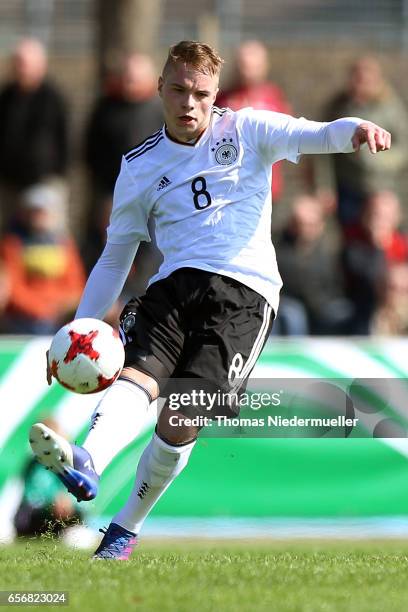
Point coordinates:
[[117, 420], [159, 465]]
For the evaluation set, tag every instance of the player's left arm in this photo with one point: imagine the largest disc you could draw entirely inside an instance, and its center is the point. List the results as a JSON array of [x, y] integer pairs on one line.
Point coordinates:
[[278, 136], [342, 136]]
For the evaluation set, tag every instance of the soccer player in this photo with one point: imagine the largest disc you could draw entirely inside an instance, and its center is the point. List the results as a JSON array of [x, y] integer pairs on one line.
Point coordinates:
[[205, 177]]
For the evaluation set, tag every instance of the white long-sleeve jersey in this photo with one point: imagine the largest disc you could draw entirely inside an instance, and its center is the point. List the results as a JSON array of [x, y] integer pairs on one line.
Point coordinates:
[[211, 201]]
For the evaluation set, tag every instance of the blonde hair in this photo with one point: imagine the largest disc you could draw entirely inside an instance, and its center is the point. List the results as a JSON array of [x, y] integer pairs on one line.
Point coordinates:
[[199, 56]]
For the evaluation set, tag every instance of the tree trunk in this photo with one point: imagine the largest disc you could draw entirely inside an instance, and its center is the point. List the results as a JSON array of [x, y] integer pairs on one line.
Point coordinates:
[[126, 26]]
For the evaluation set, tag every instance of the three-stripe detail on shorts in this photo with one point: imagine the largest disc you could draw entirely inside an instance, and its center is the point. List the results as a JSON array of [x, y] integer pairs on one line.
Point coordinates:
[[256, 349]]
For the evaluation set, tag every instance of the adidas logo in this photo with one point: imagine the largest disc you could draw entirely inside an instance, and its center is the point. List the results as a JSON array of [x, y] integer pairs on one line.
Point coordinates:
[[143, 490], [88, 465], [165, 182], [95, 418]]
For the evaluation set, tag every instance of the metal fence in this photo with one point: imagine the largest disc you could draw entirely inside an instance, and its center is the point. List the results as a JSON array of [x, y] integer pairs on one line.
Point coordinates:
[[68, 26], [65, 26]]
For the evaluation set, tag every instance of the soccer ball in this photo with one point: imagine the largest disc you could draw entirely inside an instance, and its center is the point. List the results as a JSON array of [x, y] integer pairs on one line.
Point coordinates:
[[86, 355]]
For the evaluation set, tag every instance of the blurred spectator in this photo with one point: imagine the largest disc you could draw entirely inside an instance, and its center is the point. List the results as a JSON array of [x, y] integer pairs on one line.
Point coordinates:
[[94, 242], [4, 294], [367, 94], [252, 88], [373, 245], [128, 112], [310, 273], [4, 287], [33, 128], [391, 317], [45, 272], [45, 506]]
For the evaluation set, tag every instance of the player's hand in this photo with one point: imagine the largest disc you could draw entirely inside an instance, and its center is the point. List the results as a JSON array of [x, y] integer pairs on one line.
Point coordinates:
[[49, 374], [375, 136]]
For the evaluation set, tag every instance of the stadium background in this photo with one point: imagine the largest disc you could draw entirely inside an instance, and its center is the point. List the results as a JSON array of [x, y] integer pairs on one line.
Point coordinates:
[[232, 487], [84, 35], [238, 486]]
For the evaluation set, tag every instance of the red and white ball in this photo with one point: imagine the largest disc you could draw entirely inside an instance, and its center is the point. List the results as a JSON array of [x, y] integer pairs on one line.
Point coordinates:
[[86, 355]]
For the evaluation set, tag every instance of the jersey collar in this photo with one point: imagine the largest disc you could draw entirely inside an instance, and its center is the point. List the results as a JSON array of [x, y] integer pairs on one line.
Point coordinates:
[[187, 145]]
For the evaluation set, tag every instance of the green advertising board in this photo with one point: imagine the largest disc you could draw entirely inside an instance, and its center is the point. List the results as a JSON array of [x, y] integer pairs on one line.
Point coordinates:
[[237, 477]]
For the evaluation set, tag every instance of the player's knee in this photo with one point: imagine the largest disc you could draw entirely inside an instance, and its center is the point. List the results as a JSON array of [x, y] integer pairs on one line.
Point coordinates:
[[143, 380], [176, 437], [173, 429]]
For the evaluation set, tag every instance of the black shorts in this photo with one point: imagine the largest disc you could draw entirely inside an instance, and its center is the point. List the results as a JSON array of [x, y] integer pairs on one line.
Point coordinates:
[[196, 324]]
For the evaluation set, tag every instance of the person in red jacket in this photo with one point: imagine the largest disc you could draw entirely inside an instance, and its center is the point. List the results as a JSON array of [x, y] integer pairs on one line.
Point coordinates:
[[252, 88], [373, 246], [379, 226], [44, 270]]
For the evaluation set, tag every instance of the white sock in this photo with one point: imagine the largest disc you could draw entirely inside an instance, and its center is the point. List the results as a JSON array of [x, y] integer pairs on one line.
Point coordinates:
[[116, 421], [159, 465]]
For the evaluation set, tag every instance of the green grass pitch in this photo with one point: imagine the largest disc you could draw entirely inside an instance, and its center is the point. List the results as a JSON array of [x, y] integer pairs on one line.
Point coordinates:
[[217, 576]]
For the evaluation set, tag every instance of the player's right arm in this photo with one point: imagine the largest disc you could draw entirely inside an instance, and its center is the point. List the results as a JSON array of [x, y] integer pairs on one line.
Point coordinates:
[[127, 228], [105, 283]]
